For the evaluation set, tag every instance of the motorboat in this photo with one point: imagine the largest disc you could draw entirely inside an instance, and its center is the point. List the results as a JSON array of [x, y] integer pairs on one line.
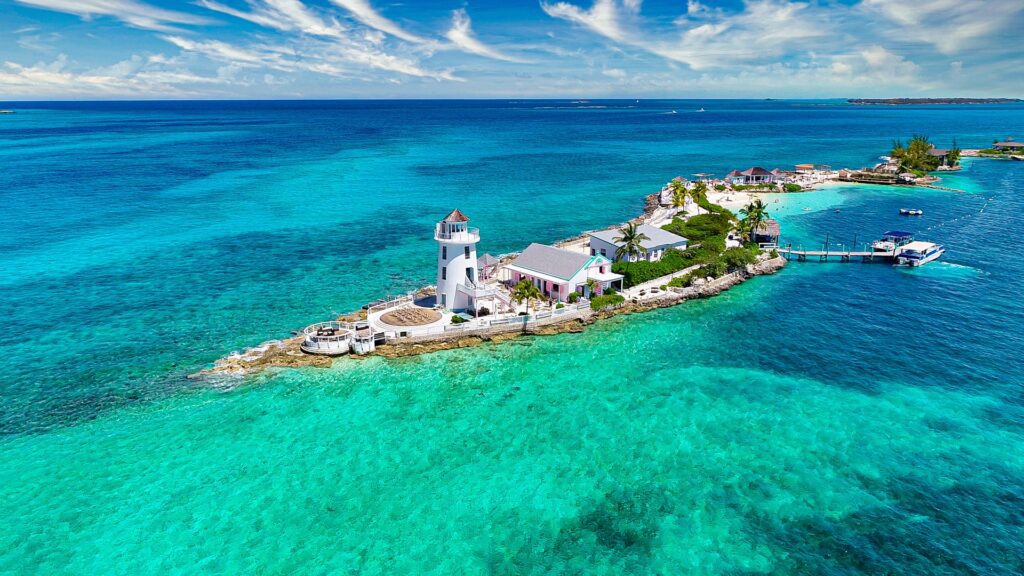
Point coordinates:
[[919, 253], [911, 212], [890, 241]]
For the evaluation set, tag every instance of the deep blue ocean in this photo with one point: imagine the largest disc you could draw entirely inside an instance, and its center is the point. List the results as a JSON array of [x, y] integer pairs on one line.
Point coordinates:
[[830, 419]]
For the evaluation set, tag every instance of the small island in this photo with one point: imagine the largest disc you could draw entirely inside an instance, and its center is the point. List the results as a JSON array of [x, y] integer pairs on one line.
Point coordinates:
[[919, 101]]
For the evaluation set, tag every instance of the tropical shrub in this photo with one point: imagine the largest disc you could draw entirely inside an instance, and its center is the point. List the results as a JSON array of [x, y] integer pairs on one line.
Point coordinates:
[[573, 297], [642, 271], [559, 306], [458, 319], [606, 301], [792, 188], [738, 257], [702, 226]]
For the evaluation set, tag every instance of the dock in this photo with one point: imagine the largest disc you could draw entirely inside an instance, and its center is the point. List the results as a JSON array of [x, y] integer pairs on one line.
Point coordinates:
[[825, 254]]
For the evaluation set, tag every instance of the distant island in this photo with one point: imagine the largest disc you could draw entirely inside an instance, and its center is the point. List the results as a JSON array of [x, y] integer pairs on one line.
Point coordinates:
[[911, 101]]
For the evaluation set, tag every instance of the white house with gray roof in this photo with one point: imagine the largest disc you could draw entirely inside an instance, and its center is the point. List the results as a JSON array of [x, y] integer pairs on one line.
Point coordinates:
[[557, 272], [658, 241]]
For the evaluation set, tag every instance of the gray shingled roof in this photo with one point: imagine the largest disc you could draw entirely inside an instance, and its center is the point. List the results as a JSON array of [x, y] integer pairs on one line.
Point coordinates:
[[656, 236], [486, 260], [552, 261]]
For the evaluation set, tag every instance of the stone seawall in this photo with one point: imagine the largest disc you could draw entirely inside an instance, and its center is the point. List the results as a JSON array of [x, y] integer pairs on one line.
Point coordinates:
[[286, 353]]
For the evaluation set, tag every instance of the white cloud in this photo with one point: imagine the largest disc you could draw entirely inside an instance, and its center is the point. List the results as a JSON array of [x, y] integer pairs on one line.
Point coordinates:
[[617, 73], [135, 76], [706, 38], [364, 12], [360, 47], [330, 58], [461, 35], [948, 25], [602, 17], [284, 15], [131, 12]]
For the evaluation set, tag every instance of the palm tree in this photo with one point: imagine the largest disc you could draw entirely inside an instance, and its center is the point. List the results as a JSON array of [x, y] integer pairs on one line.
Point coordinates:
[[753, 215], [699, 194], [525, 291], [679, 194], [632, 242]]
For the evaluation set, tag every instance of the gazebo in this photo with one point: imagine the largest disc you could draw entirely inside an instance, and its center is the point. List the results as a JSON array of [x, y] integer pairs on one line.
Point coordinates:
[[485, 265]]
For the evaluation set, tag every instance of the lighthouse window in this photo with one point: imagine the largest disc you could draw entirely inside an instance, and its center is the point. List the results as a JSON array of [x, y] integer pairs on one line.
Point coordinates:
[[444, 252], [444, 273], [467, 251]]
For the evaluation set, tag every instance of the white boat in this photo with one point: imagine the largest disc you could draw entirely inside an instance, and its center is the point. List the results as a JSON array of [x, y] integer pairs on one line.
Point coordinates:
[[701, 110], [911, 211], [892, 240], [919, 253]]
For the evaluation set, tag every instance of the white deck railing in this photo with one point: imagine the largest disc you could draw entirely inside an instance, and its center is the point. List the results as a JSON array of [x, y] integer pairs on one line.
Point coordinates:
[[390, 303]]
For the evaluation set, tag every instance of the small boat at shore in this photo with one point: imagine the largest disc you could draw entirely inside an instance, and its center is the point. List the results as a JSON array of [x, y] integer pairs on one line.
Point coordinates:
[[911, 212], [919, 253]]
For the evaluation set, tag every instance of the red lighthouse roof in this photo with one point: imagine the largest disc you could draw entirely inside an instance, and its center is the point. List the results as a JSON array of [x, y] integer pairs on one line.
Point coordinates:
[[456, 216]]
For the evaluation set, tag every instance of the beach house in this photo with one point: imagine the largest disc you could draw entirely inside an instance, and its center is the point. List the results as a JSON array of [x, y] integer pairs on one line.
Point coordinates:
[[942, 154], [1009, 145], [603, 243], [755, 175], [558, 272], [767, 232]]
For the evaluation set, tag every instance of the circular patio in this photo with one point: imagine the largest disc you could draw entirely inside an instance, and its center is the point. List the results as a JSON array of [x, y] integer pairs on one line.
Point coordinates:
[[411, 316]]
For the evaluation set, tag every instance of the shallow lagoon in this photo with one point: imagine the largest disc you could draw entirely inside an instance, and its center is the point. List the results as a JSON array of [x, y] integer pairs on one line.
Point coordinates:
[[833, 418]]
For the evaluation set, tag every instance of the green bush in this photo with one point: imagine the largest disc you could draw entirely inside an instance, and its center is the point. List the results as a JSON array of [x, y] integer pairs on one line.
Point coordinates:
[[458, 319], [559, 306], [774, 253], [792, 188], [738, 257], [702, 226], [605, 301], [639, 272], [573, 297]]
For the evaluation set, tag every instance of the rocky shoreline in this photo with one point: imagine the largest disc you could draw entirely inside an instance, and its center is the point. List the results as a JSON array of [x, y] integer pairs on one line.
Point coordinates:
[[286, 353]]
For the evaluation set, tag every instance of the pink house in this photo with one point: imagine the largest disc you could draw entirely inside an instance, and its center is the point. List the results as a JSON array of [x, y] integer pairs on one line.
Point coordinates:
[[557, 272]]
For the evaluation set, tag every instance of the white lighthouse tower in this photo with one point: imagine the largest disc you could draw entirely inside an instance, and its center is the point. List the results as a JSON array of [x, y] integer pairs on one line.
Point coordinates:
[[456, 262]]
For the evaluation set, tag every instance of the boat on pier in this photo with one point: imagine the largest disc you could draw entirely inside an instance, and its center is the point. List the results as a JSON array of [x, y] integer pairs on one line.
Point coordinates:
[[896, 247]]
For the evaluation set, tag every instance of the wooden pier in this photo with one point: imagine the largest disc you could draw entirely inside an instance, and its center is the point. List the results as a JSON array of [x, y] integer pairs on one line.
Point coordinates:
[[825, 254]]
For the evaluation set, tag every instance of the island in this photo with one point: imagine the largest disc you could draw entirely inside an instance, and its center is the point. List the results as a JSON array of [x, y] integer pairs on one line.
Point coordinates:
[[919, 101]]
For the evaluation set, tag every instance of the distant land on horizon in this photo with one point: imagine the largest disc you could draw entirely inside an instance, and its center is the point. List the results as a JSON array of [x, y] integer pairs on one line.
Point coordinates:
[[908, 101]]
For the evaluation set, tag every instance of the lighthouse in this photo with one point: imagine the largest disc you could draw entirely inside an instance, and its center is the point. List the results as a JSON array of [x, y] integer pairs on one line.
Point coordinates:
[[456, 261]]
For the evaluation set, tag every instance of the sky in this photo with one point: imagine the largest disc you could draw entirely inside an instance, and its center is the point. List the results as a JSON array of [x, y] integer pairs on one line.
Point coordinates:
[[145, 49]]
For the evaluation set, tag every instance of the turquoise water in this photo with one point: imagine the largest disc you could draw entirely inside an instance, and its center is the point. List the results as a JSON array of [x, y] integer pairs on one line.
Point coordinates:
[[830, 419]]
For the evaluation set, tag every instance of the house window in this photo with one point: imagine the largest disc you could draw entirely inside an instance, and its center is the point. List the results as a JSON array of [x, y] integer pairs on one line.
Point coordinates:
[[444, 252], [467, 251], [602, 252], [444, 273], [593, 252]]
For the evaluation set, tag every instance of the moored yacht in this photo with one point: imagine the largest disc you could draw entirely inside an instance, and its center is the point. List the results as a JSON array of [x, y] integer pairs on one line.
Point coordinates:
[[890, 241], [919, 253]]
